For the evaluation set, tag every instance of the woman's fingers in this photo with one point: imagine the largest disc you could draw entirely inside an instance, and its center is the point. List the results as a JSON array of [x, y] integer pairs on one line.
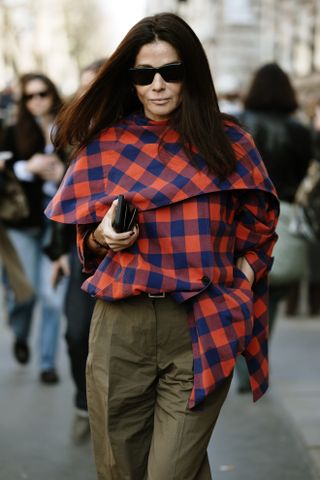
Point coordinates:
[[105, 226], [105, 233], [120, 241]]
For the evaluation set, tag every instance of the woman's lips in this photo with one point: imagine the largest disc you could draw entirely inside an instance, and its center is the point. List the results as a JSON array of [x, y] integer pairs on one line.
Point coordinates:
[[159, 101]]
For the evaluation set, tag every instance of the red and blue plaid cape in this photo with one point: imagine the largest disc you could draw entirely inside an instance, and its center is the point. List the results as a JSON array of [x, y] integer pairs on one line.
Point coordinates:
[[192, 228]]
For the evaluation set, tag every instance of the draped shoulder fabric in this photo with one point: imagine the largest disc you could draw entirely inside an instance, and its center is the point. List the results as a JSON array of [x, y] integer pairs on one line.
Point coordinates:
[[192, 228], [127, 159]]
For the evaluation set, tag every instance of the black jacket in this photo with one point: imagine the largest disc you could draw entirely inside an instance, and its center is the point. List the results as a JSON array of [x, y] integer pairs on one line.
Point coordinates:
[[32, 189], [285, 145]]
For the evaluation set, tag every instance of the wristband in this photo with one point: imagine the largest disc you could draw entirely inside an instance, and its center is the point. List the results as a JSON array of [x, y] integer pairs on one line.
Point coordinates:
[[106, 247]]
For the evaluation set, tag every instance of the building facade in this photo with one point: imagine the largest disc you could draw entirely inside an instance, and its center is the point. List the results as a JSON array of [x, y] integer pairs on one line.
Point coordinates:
[[51, 37], [238, 35], [241, 35]]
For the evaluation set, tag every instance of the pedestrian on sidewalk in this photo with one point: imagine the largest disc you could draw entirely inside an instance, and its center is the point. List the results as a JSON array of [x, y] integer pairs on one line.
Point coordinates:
[[286, 146], [313, 291], [78, 305], [183, 291], [12, 203], [39, 169], [78, 309]]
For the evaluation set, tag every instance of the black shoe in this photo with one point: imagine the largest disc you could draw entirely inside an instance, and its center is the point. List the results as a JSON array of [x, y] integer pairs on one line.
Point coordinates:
[[49, 376], [245, 388], [292, 300], [314, 299], [21, 351], [80, 429]]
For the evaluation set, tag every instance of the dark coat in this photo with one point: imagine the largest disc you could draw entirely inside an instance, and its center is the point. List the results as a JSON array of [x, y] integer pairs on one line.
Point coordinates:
[[33, 189], [285, 145]]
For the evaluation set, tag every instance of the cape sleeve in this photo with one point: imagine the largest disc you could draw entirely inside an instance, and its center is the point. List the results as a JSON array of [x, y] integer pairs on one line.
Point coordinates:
[[81, 197], [255, 236]]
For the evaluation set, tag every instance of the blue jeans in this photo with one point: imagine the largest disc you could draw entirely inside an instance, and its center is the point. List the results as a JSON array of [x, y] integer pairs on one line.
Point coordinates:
[[28, 243]]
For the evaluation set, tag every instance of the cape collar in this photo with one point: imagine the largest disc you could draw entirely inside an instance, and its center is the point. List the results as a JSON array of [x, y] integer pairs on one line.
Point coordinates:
[[145, 161]]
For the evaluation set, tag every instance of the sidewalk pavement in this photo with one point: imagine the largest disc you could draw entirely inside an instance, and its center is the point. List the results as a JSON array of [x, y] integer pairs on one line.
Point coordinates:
[[276, 438], [296, 377]]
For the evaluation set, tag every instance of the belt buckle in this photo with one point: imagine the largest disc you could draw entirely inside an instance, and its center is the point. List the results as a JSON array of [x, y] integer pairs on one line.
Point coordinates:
[[157, 295]]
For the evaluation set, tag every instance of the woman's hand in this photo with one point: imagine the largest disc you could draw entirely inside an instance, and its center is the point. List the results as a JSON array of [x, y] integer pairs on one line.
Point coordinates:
[[36, 163], [55, 169], [107, 236], [60, 268], [243, 265], [48, 167]]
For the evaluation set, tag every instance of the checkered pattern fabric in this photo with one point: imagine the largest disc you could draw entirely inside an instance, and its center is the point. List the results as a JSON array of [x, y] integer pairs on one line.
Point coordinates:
[[193, 227]]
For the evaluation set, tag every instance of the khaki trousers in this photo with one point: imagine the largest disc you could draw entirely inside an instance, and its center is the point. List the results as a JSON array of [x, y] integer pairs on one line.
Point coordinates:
[[139, 378]]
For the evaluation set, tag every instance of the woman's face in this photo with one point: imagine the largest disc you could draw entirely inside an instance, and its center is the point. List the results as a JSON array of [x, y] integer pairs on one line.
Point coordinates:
[[38, 99], [159, 98]]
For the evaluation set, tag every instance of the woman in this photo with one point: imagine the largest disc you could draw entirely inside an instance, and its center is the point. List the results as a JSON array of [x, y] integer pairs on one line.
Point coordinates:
[[284, 142], [78, 305], [174, 298], [39, 168], [12, 205], [285, 145]]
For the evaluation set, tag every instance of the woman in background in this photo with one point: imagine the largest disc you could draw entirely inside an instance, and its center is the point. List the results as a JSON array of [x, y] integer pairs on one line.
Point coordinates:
[[39, 169], [78, 305], [285, 144]]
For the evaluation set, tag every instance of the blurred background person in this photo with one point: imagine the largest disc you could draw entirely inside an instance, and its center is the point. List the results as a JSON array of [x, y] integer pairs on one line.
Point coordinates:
[[313, 289], [89, 72], [285, 145], [39, 169], [313, 285], [13, 205], [7, 106], [78, 305], [230, 100]]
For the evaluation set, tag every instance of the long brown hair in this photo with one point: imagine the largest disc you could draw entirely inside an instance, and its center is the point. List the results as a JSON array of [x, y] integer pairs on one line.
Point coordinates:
[[198, 120], [29, 136]]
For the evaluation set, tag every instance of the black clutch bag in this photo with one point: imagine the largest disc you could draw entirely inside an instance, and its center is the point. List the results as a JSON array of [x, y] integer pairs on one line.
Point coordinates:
[[125, 217]]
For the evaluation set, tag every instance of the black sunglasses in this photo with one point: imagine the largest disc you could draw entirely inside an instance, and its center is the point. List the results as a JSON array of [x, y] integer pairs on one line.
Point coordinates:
[[170, 73], [30, 96]]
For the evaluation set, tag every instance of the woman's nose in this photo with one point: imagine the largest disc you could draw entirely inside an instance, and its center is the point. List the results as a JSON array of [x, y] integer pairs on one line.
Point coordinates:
[[158, 82]]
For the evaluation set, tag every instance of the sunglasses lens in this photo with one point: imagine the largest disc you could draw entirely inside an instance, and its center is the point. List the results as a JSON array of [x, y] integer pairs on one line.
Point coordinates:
[[142, 76], [169, 73], [172, 73], [30, 96]]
